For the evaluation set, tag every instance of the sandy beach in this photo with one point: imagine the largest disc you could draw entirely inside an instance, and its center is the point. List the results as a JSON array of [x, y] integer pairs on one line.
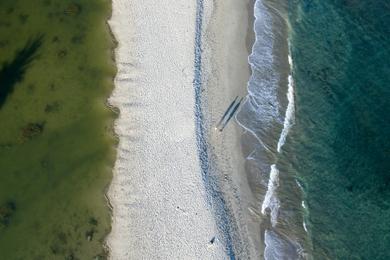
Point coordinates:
[[227, 73], [160, 201]]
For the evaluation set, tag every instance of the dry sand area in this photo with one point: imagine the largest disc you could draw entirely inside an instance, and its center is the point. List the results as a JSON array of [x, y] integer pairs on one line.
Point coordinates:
[[157, 193]]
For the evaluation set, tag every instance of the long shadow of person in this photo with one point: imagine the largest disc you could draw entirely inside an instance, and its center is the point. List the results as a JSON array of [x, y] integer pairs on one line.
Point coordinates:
[[13, 72]]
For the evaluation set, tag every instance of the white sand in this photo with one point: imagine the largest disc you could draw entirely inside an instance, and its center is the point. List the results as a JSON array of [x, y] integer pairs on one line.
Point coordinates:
[[157, 194]]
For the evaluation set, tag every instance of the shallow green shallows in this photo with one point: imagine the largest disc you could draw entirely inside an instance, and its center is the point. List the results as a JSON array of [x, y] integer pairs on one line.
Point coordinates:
[[56, 142]]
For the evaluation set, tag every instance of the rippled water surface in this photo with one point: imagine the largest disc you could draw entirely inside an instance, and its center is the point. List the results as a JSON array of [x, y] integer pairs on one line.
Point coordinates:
[[339, 145], [317, 128]]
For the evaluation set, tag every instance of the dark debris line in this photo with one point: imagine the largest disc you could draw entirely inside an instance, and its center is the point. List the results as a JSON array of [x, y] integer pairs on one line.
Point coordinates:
[[215, 197]]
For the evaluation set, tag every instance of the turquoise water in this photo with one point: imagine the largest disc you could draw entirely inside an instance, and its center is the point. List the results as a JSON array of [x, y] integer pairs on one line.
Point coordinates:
[[339, 146]]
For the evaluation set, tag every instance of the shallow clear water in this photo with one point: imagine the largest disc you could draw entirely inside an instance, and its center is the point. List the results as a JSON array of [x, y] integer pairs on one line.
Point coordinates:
[[56, 147]]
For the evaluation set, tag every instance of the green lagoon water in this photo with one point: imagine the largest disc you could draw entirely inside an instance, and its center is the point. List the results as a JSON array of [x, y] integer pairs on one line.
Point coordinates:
[[339, 147], [56, 142]]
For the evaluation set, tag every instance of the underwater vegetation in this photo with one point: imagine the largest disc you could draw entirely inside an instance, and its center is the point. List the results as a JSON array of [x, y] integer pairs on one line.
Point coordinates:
[[56, 138], [13, 72]]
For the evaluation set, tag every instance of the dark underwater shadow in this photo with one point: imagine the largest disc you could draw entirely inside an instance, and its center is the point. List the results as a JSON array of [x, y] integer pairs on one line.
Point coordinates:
[[13, 72]]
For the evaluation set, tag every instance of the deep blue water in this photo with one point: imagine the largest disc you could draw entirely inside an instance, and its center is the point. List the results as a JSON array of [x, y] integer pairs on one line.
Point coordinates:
[[339, 146]]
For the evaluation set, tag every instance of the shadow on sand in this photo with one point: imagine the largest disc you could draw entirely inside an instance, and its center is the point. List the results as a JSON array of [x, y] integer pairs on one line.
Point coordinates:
[[13, 72]]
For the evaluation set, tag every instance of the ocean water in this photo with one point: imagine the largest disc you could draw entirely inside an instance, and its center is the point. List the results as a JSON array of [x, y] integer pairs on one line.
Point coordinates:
[[267, 116], [339, 146], [317, 118], [56, 146]]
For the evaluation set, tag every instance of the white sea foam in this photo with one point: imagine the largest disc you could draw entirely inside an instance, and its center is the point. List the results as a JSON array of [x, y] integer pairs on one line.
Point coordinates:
[[299, 185], [279, 247], [290, 112], [304, 226], [259, 115], [271, 201], [261, 107], [273, 246]]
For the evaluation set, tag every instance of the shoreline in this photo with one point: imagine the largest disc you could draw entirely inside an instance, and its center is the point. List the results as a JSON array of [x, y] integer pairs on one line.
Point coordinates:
[[226, 76], [137, 85], [271, 84]]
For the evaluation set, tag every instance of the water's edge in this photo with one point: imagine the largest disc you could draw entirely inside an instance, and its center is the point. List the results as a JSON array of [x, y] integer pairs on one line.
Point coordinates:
[[267, 116], [116, 112]]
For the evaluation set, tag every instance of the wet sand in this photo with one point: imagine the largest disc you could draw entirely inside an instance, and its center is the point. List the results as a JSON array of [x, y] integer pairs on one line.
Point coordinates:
[[226, 75]]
